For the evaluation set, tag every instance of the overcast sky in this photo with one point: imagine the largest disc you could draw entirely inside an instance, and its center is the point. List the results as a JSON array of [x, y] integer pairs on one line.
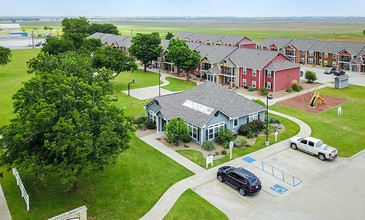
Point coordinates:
[[232, 8]]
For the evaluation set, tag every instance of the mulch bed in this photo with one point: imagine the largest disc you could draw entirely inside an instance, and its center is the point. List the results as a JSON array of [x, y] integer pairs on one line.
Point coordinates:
[[303, 101]]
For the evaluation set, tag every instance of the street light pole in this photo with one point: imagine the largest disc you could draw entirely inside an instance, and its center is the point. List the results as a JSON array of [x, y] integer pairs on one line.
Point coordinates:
[[159, 79], [267, 143]]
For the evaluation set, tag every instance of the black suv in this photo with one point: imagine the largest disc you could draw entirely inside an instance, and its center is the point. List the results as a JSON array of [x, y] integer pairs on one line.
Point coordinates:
[[339, 73], [239, 178]]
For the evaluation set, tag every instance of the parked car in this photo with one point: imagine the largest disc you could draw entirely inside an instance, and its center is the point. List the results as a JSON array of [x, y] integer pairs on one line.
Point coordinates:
[[339, 73], [239, 178], [313, 146], [330, 70]]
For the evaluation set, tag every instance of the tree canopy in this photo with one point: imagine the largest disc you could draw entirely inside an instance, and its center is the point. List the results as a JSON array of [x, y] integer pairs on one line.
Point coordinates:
[[75, 25], [146, 47], [169, 35], [181, 55], [103, 28], [114, 60], [65, 123], [5, 56], [177, 132]]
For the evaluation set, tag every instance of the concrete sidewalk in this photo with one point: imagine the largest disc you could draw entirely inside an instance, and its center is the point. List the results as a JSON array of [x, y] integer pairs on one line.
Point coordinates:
[[4, 210]]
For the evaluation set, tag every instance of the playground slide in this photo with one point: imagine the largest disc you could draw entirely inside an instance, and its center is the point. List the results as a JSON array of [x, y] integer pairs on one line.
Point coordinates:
[[314, 100], [323, 101]]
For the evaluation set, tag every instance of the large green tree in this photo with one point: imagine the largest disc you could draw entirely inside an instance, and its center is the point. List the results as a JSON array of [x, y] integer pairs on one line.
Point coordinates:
[[169, 35], [5, 56], [75, 25], [71, 42], [146, 47], [103, 28], [181, 55], [55, 45], [113, 59], [65, 123]]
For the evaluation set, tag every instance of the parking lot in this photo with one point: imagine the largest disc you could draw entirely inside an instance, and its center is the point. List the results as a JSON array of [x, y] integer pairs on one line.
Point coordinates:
[[295, 185]]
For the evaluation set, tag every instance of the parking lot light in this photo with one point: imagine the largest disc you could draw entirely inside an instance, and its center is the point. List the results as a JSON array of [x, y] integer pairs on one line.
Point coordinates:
[[267, 119]]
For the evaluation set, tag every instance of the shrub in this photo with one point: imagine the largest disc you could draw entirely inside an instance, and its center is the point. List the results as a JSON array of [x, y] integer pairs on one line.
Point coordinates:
[[224, 152], [258, 101], [263, 91], [244, 142], [140, 120], [150, 124], [250, 89], [295, 86], [289, 90], [310, 76], [255, 126], [208, 145], [251, 134], [237, 143], [177, 131], [274, 120], [224, 137]]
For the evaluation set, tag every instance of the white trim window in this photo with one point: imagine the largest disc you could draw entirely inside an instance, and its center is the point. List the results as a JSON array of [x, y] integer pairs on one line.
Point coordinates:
[[268, 85], [244, 82], [334, 56], [269, 73], [254, 84], [325, 55], [193, 131], [253, 117], [325, 62], [227, 69], [213, 130], [253, 72], [310, 60], [244, 71], [153, 117], [302, 60], [235, 122], [310, 53], [333, 63]]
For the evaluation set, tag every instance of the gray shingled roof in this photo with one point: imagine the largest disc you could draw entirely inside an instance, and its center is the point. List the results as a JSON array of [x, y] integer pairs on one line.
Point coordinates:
[[96, 35], [249, 58], [342, 77], [211, 37], [164, 44], [277, 65], [232, 39], [209, 94], [214, 53], [104, 37], [214, 70], [182, 35], [302, 44], [116, 39], [279, 42], [245, 42], [362, 52], [334, 47], [193, 46], [195, 36]]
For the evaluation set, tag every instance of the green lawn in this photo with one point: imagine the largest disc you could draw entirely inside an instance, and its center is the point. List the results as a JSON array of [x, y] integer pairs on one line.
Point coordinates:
[[11, 78], [345, 132], [191, 206], [178, 84], [291, 129], [126, 190]]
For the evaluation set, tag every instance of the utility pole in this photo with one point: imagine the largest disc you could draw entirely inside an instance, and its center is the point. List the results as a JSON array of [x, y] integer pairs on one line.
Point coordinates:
[[33, 39]]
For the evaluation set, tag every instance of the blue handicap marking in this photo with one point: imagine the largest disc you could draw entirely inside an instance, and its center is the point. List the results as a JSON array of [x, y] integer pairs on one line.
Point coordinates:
[[248, 159], [279, 189]]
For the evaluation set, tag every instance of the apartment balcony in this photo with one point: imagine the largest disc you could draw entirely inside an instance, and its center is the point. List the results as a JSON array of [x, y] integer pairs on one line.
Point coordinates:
[[227, 73], [344, 59], [290, 53], [206, 66]]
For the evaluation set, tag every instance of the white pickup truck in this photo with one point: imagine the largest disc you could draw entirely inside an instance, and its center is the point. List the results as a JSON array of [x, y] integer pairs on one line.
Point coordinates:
[[313, 146]]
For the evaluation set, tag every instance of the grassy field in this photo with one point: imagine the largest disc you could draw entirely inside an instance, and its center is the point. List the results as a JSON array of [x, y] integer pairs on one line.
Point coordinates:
[[126, 190], [191, 206], [345, 132], [178, 84], [291, 129], [11, 78], [256, 29]]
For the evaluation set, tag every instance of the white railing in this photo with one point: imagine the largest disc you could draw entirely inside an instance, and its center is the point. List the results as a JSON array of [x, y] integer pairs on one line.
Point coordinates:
[[21, 186], [79, 212]]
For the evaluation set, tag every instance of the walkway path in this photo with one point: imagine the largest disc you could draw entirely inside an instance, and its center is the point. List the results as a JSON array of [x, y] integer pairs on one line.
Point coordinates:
[[168, 199], [4, 210]]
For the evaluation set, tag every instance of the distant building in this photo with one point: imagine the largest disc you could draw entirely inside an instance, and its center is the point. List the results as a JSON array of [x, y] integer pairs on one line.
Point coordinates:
[[10, 27]]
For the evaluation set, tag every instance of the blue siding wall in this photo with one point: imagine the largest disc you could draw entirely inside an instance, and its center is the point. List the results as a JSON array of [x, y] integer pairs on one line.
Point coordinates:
[[153, 107]]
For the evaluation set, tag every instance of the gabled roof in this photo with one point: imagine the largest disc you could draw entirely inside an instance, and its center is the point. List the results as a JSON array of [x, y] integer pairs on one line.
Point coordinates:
[[164, 44], [208, 94], [362, 52], [96, 35], [195, 36], [116, 39], [126, 42], [211, 37], [250, 58], [302, 44], [277, 65], [342, 77], [245, 42], [279, 42], [193, 46], [336, 46], [214, 53], [214, 70], [182, 35], [232, 39], [104, 37]]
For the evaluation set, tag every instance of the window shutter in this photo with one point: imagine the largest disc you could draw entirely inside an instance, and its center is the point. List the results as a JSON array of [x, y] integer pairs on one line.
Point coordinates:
[[198, 131], [206, 134], [247, 120]]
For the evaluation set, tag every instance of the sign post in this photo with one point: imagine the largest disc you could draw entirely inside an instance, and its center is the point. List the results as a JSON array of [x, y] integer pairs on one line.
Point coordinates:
[[276, 136], [230, 149], [209, 160], [339, 110]]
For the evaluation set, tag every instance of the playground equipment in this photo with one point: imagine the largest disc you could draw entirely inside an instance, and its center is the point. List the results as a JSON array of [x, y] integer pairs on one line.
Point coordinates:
[[315, 98]]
